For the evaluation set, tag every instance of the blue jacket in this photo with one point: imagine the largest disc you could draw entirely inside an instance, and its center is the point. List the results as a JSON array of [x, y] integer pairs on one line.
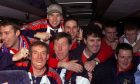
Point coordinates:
[[106, 73]]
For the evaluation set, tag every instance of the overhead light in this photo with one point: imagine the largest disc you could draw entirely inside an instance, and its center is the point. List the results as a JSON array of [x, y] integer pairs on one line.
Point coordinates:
[[81, 13], [76, 3]]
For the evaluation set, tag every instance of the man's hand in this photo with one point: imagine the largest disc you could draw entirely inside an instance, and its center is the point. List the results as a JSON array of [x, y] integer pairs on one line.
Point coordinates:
[[23, 53], [90, 65], [71, 65], [90, 76], [43, 35]]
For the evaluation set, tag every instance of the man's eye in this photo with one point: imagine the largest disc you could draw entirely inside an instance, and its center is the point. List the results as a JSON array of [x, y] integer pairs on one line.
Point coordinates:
[[34, 52], [7, 33], [43, 53], [122, 56]]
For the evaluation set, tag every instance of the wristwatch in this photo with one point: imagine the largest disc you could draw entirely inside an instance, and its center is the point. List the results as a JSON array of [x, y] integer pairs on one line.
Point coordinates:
[[96, 62]]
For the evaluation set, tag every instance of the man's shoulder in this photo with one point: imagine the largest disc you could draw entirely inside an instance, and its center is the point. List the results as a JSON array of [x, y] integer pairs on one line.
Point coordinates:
[[107, 65], [54, 75], [41, 23], [77, 53]]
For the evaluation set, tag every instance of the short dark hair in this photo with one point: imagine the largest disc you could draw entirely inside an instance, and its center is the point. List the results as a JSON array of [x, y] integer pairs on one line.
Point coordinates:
[[39, 43], [92, 30], [63, 35], [69, 19], [130, 26], [124, 46], [110, 24], [7, 23]]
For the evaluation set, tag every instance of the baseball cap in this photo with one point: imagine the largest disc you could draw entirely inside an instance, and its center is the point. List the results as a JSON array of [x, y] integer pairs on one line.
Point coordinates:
[[54, 8]]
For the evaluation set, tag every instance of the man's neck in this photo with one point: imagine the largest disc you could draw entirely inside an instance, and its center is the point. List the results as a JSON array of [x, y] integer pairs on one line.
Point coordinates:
[[108, 42], [73, 41], [16, 45], [87, 52], [65, 59], [38, 73]]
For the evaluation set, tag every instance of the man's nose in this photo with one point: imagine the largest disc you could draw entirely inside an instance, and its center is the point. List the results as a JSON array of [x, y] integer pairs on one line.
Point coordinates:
[[59, 47], [54, 18], [39, 55]]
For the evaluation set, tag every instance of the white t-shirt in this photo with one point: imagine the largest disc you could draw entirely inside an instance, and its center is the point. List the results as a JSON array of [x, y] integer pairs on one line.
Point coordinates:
[[123, 39]]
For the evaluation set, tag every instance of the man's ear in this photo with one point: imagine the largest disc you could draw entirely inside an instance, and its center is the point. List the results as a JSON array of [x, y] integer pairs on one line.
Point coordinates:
[[85, 41], [78, 28], [103, 32], [116, 57], [29, 57], [17, 33], [48, 56], [62, 17]]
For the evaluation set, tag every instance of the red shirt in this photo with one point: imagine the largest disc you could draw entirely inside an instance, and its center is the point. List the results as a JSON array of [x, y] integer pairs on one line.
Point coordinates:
[[105, 52]]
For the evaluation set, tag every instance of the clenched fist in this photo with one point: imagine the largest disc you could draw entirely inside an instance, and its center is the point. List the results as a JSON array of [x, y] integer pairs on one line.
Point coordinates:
[[23, 53], [42, 35]]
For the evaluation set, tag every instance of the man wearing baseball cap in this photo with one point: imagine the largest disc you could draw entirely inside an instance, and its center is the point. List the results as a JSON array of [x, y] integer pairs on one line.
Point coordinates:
[[45, 28]]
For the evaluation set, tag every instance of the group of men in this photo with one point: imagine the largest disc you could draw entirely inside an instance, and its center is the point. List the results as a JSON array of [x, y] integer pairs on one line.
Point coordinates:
[[57, 48]]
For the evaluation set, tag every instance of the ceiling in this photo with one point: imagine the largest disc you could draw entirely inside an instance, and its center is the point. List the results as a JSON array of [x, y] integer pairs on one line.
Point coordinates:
[[84, 10]]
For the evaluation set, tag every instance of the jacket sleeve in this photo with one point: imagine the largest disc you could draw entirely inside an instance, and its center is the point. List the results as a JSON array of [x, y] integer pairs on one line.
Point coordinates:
[[5, 60], [6, 63], [31, 33], [52, 73]]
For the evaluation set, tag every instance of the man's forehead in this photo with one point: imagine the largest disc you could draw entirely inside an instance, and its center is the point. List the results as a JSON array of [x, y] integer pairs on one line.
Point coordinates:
[[93, 36], [38, 46], [6, 28], [54, 13], [130, 31], [110, 28], [125, 51], [37, 50], [61, 40]]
